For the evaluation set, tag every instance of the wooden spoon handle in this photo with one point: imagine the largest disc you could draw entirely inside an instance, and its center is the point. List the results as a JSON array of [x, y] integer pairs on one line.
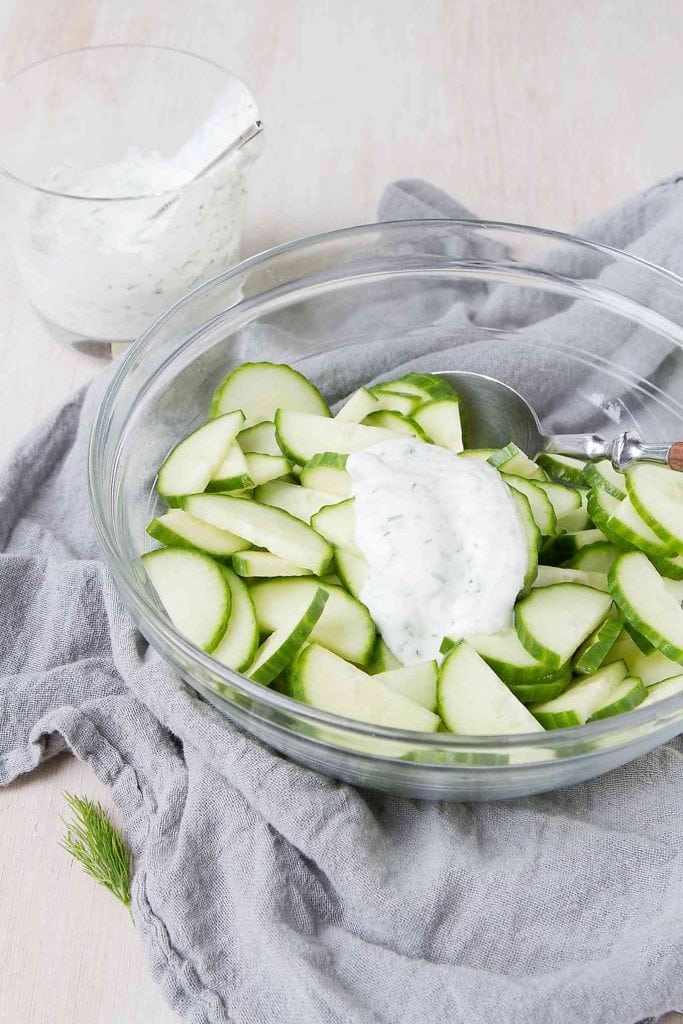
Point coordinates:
[[676, 456]]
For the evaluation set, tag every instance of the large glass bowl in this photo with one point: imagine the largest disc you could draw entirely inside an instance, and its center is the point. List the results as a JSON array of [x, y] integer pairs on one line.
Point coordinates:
[[526, 305]]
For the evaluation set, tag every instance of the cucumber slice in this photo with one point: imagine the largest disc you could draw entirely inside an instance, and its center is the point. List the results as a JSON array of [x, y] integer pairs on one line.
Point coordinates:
[[564, 468], [513, 461], [541, 507], [301, 436], [397, 422], [553, 621], [264, 468], [576, 519], [282, 646], [395, 401], [538, 693], [425, 386], [359, 405], [441, 421], [255, 564], [595, 650], [382, 659], [327, 472], [660, 691], [240, 640], [192, 463], [194, 592], [597, 557], [265, 527], [259, 439], [671, 567], [657, 496], [345, 626], [322, 679], [626, 524], [605, 477], [509, 659], [259, 389], [647, 604], [641, 643], [337, 524], [563, 547], [563, 499], [232, 474], [480, 454], [352, 570], [473, 701], [651, 668], [417, 682], [628, 695], [550, 574], [582, 699], [178, 529], [300, 502], [533, 536]]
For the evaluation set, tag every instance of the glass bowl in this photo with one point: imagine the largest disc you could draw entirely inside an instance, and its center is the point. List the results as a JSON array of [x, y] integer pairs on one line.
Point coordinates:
[[565, 321]]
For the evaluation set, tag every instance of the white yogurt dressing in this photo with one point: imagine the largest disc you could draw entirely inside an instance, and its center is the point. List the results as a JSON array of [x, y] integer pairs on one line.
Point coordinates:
[[445, 547]]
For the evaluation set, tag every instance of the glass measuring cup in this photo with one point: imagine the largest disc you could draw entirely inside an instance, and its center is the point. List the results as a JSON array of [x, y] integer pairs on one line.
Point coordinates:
[[124, 183]]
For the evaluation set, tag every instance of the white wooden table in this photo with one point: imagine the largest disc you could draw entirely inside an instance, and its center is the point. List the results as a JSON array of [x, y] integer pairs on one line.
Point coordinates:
[[539, 111]]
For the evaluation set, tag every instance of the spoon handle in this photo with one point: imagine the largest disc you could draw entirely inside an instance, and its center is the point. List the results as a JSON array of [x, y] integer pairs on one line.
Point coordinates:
[[624, 450]]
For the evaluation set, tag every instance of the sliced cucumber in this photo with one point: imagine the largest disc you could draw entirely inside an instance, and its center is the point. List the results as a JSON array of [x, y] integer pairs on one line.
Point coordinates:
[[256, 564], [282, 646], [382, 659], [417, 682], [595, 650], [301, 436], [233, 472], [425, 386], [322, 679], [479, 454], [582, 699], [337, 523], [633, 532], [327, 472], [669, 566], [473, 701], [533, 536], [345, 626], [563, 547], [541, 507], [259, 389], [564, 468], [192, 463], [259, 439], [397, 422], [509, 659], [300, 502], [657, 496], [442, 423], [660, 691], [553, 621], [628, 695], [240, 640], [352, 570], [538, 693], [178, 529], [359, 405], [597, 557], [641, 643], [647, 604], [264, 468], [513, 461], [563, 499], [396, 401], [550, 574], [265, 527], [577, 519], [604, 476], [194, 592], [651, 668]]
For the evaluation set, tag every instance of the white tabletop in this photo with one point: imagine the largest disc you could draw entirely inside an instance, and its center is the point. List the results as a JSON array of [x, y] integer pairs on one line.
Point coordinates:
[[539, 111]]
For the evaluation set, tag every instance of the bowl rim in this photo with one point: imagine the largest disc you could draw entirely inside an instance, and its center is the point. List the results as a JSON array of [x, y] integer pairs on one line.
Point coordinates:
[[153, 616]]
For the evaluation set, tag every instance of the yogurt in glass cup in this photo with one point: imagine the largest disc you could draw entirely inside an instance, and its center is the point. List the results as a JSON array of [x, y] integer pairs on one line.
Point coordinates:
[[125, 172]]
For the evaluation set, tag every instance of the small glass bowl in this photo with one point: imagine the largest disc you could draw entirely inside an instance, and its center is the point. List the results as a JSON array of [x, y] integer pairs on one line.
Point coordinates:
[[124, 180], [386, 294]]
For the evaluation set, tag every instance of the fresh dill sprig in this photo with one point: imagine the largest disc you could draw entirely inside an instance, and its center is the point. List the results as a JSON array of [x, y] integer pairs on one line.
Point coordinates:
[[94, 842]]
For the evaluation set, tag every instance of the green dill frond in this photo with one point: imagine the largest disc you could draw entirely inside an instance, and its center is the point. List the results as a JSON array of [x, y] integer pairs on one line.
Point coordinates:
[[94, 842]]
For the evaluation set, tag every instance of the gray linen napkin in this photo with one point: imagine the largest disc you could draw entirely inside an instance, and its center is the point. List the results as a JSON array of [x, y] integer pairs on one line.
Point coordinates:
[[265, 892]]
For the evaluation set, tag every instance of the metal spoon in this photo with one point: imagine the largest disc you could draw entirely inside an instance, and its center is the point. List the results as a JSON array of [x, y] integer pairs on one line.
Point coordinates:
[[497, 414]]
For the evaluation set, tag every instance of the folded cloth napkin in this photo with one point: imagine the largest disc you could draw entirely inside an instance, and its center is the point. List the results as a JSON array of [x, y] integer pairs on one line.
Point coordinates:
[[265, 892]]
